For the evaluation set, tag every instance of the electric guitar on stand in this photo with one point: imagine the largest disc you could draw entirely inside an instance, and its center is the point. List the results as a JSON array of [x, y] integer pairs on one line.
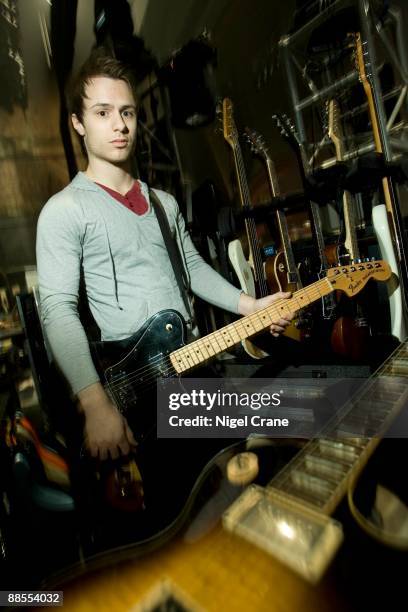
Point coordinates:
[[251, 272], [385, 217], [351, 333], [287, 130], [282, 266]]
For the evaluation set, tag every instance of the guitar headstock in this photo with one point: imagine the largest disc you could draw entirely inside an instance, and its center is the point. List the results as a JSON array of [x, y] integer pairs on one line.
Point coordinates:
[[228, 122], [287, 129], [353, 278], [334, 128], [257, 142], [362, 61]]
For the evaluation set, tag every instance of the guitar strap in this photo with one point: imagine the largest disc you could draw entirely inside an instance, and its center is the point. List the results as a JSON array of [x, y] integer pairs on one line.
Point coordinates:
[[173, 251]]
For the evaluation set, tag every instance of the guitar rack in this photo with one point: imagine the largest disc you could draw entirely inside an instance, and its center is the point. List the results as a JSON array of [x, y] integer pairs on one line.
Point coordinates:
[[310, 88]]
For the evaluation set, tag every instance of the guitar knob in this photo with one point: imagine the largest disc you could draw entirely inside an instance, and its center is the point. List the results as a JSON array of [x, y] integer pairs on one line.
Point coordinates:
[[243, 468]]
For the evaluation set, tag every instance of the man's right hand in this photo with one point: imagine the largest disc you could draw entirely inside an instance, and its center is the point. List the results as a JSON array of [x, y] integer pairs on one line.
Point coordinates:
[[107, 433]]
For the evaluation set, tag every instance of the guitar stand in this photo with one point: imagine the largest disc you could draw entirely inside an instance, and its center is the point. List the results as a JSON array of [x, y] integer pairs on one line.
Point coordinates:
[[367, 172]]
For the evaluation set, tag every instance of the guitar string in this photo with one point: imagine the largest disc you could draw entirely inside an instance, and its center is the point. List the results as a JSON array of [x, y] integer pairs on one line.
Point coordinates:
[[149, 368]]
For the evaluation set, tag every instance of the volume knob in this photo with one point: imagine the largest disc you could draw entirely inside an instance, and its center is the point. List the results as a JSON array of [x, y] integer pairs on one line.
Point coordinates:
[[243, 468]]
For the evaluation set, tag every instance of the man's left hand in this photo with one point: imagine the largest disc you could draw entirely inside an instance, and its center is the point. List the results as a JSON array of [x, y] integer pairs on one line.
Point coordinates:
[[248, 305]]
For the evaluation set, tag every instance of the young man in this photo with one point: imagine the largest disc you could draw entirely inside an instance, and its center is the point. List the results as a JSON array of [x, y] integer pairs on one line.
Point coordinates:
[[103, 220]]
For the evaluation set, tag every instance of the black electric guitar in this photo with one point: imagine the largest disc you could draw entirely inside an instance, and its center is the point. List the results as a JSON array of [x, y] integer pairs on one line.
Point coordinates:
[[130, 368]]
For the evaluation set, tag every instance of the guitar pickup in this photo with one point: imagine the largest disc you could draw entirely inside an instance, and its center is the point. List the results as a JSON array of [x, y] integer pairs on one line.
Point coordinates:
[[301, 538]]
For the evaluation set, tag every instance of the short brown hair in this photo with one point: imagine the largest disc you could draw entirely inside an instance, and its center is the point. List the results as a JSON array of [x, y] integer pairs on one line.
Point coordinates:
[[98, 64]]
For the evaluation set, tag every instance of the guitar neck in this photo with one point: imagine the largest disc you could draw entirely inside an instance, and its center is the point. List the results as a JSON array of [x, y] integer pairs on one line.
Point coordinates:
[[318, 232], [292, 271], [336, 135], [350, 241], [272, 178], [200, 351], [319, 475]]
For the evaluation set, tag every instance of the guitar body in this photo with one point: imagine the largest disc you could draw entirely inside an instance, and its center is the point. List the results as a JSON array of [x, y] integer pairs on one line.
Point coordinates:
[[336, 253], [197, 564], [245, 277], [203, 567], [349, 337], [383, 233], [140, 359], [275, 268], [276, 272], [156, 483]]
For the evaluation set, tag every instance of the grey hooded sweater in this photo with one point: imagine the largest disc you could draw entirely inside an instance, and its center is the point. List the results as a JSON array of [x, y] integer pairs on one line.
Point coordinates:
[[127, 271]]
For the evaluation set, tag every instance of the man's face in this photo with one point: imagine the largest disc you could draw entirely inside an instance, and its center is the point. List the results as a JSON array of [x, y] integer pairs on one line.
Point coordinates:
[[108, 120]]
